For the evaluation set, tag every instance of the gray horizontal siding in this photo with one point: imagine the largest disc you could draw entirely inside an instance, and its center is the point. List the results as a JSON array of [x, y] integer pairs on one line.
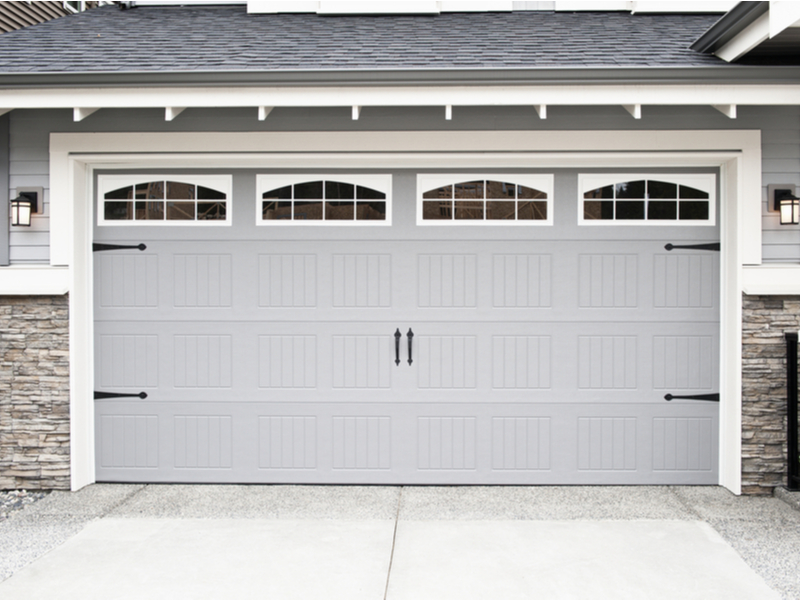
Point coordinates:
[[30, 131]]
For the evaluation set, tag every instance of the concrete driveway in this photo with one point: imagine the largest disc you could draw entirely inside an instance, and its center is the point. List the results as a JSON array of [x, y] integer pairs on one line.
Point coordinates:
[[400, 543]]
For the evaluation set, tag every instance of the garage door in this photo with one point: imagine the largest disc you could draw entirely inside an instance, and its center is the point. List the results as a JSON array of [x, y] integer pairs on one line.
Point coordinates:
[[434, 328]]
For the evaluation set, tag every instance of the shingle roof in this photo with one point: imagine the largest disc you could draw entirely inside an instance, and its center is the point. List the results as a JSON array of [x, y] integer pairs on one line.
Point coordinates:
[[226, 38]]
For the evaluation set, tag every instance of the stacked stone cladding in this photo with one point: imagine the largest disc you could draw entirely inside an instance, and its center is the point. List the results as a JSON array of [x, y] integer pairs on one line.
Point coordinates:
[[765, 320], [34, 392]]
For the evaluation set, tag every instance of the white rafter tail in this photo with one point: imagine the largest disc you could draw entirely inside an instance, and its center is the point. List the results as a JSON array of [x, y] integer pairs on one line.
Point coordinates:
[[634, 109], [263, 112], [541, 110], [79, 114], [448, 112], [356, 112], [170, 112], [729, 110]]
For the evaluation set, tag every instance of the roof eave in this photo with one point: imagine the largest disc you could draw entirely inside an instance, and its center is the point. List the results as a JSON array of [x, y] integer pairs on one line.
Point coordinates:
[[409, 77]]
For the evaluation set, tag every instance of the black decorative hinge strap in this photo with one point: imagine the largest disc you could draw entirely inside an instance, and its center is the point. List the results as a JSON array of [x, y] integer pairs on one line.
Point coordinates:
[[706, 397], [106, 395], [103, 247], [715, 247]]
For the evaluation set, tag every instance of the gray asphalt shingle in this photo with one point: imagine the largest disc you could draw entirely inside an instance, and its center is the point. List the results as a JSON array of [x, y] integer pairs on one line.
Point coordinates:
[[226, 38]]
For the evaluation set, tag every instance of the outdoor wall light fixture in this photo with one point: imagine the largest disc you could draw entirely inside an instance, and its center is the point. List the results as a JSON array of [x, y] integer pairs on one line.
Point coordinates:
[[22, 207], [782, 198], [788, 205]]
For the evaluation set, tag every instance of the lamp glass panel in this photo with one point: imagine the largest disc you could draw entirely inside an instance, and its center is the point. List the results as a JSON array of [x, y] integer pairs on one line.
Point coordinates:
[[21, 213]]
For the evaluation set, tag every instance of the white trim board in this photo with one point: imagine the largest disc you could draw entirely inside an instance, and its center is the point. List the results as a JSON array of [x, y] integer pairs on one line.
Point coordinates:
[[367, 96], [34, 280], [75, 156]]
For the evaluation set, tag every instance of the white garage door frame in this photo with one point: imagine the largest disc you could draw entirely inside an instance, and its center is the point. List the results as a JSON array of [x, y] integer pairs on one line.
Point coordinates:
[[74, 158]]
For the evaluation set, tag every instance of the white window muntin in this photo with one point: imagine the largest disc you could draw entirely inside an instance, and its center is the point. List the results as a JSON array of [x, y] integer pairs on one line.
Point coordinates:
[[378, 182], [706, 182], [109, 183], [541, 182]]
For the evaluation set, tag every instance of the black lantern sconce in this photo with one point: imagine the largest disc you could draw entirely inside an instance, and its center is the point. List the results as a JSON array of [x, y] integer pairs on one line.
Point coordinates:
[[784, 201], [24, 205]]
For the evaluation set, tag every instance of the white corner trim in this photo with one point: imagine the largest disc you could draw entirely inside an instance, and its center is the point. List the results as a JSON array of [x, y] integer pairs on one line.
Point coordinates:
[[34, 280], [771, 279], [750, 37]]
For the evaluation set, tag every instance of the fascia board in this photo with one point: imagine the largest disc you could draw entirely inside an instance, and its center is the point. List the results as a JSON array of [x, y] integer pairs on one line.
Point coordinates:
[[310, 97], [722, 73]]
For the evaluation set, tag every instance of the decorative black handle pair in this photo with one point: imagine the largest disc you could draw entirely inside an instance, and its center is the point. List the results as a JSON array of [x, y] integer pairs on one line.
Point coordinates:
[[397, 336]]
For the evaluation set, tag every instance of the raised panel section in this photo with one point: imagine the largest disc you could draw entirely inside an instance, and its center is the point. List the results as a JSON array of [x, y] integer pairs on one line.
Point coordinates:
[[608, 281], [287, 361], [128, 361], [129, 441], [522, 280], [521, 362], [607, 362], [682, 444], [521, 443], [362, 280], [202, 280], [607, 444], [287, 280], [287, 442], [203, 442], [202, 361], [447, 280], [446, 443], [127, 281], [684, 281], [362, 443], [683, 362], [362, 361], [446, 361]]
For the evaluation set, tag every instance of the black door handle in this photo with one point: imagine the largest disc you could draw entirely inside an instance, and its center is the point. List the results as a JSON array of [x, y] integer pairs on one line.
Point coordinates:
[[96, 247], [715, 247], [105, 395], [397, 336], [410, 335], [706, 397]]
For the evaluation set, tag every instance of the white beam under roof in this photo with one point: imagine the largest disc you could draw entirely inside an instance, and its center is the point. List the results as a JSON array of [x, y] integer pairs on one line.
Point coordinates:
[[171, 112], [634, 109], [541, 110], [263, 112], [729, 110], [364, 96], [356, 112], [750, 37], [79, 114], [448, 112]]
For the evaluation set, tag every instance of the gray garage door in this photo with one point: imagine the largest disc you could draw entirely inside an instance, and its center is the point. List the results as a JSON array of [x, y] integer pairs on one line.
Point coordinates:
[[540, 354]]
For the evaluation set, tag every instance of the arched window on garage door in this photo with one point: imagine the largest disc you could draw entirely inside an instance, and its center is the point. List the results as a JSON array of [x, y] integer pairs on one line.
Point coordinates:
[[664, 199], [496, 199], [323, 200], [164, 200]]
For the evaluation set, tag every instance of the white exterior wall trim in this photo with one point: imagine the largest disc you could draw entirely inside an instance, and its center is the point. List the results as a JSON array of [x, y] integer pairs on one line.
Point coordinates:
[[771, 280], [364, 97], [74, 156]]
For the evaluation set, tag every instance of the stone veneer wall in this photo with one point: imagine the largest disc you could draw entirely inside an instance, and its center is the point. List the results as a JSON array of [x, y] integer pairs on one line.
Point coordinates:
[[34, 392], [765, 320]]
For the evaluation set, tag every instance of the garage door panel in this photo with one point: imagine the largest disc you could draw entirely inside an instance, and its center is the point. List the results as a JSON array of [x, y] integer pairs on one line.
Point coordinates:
[[539, 355]]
